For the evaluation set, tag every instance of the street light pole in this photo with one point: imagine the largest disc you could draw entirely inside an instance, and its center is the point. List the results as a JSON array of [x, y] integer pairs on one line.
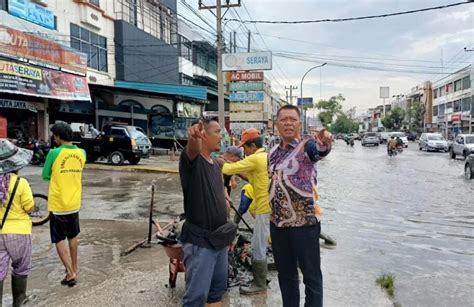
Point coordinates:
[[301, 94]]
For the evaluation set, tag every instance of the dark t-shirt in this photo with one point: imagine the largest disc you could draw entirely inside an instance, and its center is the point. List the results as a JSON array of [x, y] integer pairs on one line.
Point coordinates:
[[204, 198]]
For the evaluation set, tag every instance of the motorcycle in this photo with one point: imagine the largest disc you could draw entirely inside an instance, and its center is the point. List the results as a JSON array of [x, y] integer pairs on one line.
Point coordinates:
[[350, 142], [40, 150]]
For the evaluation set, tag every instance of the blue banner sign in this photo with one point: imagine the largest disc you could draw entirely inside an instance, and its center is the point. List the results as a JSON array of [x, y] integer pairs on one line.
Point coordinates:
[[35, 13], [305, 101], [247, 96]]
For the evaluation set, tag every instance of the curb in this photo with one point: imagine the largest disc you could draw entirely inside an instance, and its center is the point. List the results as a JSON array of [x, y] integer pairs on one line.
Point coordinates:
[[131, 169]]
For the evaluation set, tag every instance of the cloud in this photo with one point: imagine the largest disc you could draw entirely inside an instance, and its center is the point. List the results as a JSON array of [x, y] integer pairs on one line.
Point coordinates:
[[436, 41]]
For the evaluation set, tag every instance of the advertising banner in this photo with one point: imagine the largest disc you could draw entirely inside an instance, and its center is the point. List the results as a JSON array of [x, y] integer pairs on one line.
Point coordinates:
[[16, 104], [247, 61], [237, 128], [42, 82], [252, 107], [247, 76], [246, 86], [384, 92], [305, 101], [247, 96], [23, 45], [246, 116], [35, 13]]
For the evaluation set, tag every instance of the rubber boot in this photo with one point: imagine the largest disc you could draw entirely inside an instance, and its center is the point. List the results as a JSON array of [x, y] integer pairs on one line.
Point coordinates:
[[1, 292], [237, 219], [19, 290], [259, 283]]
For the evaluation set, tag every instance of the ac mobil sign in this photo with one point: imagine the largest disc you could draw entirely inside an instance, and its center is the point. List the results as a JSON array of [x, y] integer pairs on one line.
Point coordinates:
[[247, 61]]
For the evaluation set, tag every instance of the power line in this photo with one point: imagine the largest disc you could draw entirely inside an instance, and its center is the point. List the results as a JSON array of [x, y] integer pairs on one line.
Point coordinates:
[[355, 18]]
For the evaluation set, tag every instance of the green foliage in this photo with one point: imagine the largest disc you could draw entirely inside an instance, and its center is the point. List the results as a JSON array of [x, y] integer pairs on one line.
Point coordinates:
[[329, 109], [416, 115], [387, 282], [394, 119], [344, 124]]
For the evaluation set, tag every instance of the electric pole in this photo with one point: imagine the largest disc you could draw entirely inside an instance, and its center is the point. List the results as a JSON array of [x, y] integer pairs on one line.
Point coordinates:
[[248, 42], [291, 88], [220, 77]]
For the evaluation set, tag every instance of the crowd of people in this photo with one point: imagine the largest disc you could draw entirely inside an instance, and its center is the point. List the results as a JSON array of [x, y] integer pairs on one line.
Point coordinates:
[[283, 188]]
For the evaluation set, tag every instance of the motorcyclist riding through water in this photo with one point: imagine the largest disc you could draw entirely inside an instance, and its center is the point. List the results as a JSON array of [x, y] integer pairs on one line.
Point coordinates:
[[391, 145]]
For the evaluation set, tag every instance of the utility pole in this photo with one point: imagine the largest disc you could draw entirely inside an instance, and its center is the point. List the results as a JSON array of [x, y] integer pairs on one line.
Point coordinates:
[[220, 77], [235, 42], [248, 41], [230, 42], [291, 88]]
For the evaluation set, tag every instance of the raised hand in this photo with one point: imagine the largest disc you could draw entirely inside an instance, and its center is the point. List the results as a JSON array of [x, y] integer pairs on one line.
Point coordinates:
[[323, 137]]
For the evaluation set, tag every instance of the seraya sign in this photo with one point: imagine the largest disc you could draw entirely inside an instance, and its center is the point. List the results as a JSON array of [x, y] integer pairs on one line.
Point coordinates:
[[247, 61]]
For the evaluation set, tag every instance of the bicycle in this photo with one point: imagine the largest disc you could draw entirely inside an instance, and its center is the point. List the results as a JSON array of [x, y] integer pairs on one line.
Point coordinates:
[[40, 214]]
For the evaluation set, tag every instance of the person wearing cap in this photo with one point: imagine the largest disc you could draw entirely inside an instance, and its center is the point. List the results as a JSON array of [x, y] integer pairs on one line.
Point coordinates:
[[295, 225], [234, 154], [63, 169], [254, 166], [16, 200]]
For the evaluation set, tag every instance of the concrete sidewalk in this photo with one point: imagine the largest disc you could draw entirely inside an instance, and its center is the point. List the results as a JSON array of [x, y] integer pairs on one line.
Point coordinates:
[[155, 164]]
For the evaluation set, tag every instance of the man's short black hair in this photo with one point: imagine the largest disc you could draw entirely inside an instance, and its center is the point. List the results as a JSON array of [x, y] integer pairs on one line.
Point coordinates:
[[257, 141], [205, 120], [63, 131], [289, 107]]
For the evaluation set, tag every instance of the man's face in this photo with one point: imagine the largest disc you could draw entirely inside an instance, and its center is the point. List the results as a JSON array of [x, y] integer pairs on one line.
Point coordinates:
[[213, 134], [288, 124]]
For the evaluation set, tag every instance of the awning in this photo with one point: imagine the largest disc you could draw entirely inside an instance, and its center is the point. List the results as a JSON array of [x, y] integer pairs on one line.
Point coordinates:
[[195, 92]]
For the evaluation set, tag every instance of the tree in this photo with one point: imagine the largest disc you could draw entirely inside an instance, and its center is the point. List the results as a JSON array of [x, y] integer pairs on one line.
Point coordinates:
[[394, 119], [416, 114], [329, 109], [344, 124]]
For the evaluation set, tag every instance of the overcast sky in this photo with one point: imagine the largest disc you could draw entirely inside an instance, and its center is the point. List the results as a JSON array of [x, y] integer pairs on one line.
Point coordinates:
[[423, 42]]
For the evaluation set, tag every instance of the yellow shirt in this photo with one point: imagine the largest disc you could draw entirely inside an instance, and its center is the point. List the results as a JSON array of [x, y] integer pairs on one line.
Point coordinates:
[[63, 167], [255, 167], [18, 221]]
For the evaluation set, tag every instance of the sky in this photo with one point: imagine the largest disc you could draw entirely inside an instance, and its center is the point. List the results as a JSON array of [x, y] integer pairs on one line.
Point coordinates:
[[413, 48]]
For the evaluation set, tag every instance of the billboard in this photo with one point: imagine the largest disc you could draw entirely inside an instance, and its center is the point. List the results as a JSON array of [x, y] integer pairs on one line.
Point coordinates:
[[305, 101], [241, 107], [247, 61], [35, 13], [384, 92], [247, 96], [19, 44], [246, 116], [18, 78], [246, 86], [247, 76]]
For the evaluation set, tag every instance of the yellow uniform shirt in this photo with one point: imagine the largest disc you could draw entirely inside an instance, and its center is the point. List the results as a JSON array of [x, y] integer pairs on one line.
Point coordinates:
[[18, 221], [63, 167], [255, 167]]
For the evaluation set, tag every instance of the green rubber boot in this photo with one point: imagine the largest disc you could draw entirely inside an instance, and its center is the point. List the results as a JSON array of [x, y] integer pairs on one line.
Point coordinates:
[[19, 290], [259, 283]]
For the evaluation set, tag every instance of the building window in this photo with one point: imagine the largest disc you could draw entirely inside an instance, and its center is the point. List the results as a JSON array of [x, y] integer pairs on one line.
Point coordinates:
[[441, 109], [449, 88], [442, 91], [435, 111], [466, 83], [3, 5], [185, 48], [95, 2], [466, 104], [186, 80], [449, 108], [457, 106], [458, 85], [94, 45], [435, 93]]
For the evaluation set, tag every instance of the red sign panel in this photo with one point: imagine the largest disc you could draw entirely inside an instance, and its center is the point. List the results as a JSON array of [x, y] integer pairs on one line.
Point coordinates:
[[25, 79], [247, 76], [456, 118], [24, 45]]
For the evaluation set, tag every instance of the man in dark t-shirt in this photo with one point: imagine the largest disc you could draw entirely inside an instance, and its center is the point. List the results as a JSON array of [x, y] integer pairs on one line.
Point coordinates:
[[205, 210]]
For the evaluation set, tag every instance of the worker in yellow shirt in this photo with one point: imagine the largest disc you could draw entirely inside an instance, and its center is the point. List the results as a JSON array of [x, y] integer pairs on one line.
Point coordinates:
[[254, 166], [63, 168], [16, 201]]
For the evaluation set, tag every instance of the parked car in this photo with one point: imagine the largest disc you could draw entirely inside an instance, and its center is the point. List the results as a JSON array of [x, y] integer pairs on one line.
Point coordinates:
[[370, 138], [432, 141], [411, 136], [384, 137], [469, 167], [402, 136], [118, 143], [463, 145]]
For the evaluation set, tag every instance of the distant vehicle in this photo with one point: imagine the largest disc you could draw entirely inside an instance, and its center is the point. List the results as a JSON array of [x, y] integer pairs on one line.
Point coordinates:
[[469, 167], [411, 136], [432, 142], [463, 145], [118, 143], [402, 136], [384, 137], [370, 138]]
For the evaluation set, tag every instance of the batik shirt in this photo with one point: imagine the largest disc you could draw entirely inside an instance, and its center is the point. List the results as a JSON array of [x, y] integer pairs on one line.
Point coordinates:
[[293, 182]]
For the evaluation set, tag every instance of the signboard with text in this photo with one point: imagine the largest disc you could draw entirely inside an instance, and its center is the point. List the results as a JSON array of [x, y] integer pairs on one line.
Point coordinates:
[[246, 116], [305, 101], [35, 13], [384, 92], [247, 61], [18, 78], [247, 76], [252, 107], [23, 45], [246, 86], [247, 96], [17, 104]]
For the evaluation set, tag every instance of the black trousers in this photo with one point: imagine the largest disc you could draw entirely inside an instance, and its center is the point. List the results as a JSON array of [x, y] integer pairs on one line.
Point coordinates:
[[295, 247]]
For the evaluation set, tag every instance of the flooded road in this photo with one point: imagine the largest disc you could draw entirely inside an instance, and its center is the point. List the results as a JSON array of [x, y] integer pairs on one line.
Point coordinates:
[[410, 215]]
